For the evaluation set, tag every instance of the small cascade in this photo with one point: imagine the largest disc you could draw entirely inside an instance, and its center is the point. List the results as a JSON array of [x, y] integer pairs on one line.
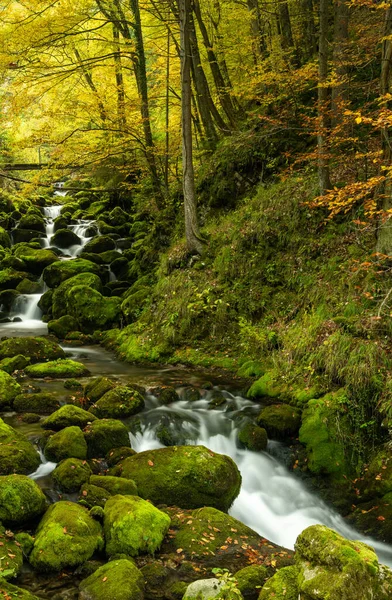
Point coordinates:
[[80, 228], [26, 307], [51, 213]]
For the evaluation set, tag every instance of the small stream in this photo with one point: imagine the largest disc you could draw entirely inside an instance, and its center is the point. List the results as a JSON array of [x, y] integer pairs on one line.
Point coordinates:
[[272, 501]]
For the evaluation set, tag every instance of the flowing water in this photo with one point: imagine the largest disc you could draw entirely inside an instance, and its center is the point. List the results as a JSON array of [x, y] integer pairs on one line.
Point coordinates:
[[272, 501]]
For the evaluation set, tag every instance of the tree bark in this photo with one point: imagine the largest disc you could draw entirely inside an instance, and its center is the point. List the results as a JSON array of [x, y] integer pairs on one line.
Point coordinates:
[[121, 116], [341, 36], [192, 233], [323, 100], [308, 29], [259, 44]]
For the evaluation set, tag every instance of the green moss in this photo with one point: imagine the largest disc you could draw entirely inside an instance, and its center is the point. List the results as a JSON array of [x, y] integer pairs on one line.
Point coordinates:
[[5, 239], [21, 499], [16, 363], [115, 485], [103, 435], [134, 304], [116, 455], [118, 403], [9, 389], [70, 474], [62, 326], [68, 415], [253, 437], [269, 385], [35, 260], [73, 384], [250, 580], [60, 294], [60, 271], [97, 387], [187, 476], [35, 348], [282, 586], [14, 592], [10, 279], [17, 454], [251, 368], [41, 403], [133, 526], [26, 542], [92, 495], [29, 287], [119, 579], [91, 310], [58, 369], [280, 420], [67, 443], [66, 537]]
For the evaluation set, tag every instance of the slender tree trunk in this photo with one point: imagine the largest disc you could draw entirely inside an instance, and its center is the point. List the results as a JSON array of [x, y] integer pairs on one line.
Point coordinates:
[[89, 80], [341, 36], [121, 116], [259, 45], [323, 100], [308, 29], [167, 112], [286, 34], [192, 233]]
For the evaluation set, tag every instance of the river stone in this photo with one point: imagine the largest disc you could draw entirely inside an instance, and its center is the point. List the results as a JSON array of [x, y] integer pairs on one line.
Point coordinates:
[[115, 485], [65, 238], [32, 222], [37, 348], [34, 259], [119, 403], [91, 310], [17, 454], [10, 279], [11, 558], [97, 387], [66, 537], [58, 369], [253, 437], [204, 589], [283, 585], [103, 435], [251, 579], [92, 496], [16, 363], [280, 420], [70, 474], [67, 443], [7, 299], [117, 580], [66, 416], [63, 326], [5, 240], [133, 526], [9, 389], [60, 271], [12, 591], [101, 243], [20, 499], [185, 476], [59, 298], [41, 403]]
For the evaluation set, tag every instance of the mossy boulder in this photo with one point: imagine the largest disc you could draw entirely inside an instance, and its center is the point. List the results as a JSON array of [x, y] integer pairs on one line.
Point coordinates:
[[187, 476], [5, 240], [16, 593], [60, 271], [60, 294], [40, 403], [133, 305], [115, 485], [133, 526], [70, 474], [67, 443], [11, 557], [331, 567], [117, 580], [103, 435], [269, 385], [323, 441], [63, 326], [208, 589], [165, 394], [253, 437], [119, 403], [35, 260], [66, 416], [250, 580], [97, 387], [35, 348], [91, 310], [9, 389], [16, 363], [116, 455], [282, 586], [66, 537], [58, 369], [32, 222], [10, 279], [65, 238], [17, 454], [101, 243], [190, 394], [7, 299], [92, 495], [21, 499], [280, 420]]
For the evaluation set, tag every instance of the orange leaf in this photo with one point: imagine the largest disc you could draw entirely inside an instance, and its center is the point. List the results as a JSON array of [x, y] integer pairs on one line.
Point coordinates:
[[105, 579], [380, 518], [150, 463]]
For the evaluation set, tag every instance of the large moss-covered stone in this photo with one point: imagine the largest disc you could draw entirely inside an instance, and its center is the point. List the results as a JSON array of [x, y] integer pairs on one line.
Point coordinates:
[[29, 287], [92, 310], [282, 586], [250, 580], [115, 485], [35, 348], [63, 326], [5, 240], [99, 244], [66, 416], [40, 403], [60, 294], [70, 474], [35, 260], [253, 437], [20, 499], [97, 387], [10, 279], [58, 369], [103, 435], [92, 496], [66, 537], [9, 389], [14, 592], [280, 420], [17, 454], [117, 580], [11, 557], [32, 222], [59, 271], [64, 238], [185, 476], [118, 403], [16, 363], [67, 443], [133, 526]]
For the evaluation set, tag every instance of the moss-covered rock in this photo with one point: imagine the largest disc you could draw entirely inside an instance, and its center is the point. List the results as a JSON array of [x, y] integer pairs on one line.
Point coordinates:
[[116, 455], [58, 369], [165, 394], [9, 389], [67, 443], [282, 586], [253, 437], [376, 479], [133, 304], [59, 271], [35, 260], [66, 537], [324, 442], [65, 238], [16, 363], [187, 476], [17, 454], [66, 416], [29, 287], [133, 526], [60, 294], [374, 518], [14, 592], [190, 394], [118, 403], [5, 240], [115, 485], [99, 244], [280, 420], [117, 580], [156, 576], [92, 495], [70, 474], [33, 222], [30, 418], [268, 385], [103, 435], [26, 542], [250, 580], [35, 348], [208, 589], [20, 499], [10, 279], [40, 403], [7, 299], [63, 326], [97, 387], [92, 310]]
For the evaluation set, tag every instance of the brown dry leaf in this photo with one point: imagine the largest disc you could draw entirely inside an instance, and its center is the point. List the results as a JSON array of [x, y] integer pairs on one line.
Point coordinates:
[[179, 550], [105, 579], [150, 463]]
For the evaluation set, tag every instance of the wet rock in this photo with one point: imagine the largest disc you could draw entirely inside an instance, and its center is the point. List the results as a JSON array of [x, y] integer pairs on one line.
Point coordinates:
[[91, 310], [34, 259], [5, 240], [21, 500], [63, 326], [29, 287], [217, 399], [65, 238], [133, 304], [25, 235], [10, 279], [37, 348], [97, 387], [58, 369], [32, 222], [73, 384], [119, 403], [282, 586], [116, 455], [70, 474], [250, 580], [133, 526], [165, 394], [190, 394], [17, 454], [204, 589], [253, 437], [60, 295], [119, 579], [374, 518], [103, 435], [92, 495], [187, 476], [67, 443], [60, 271], [9, 389], [7, 299], [280, 420], [99, 244], [40, 404], [115, 485], [13, 591], [17, 363], [66, 416], [66, 537]]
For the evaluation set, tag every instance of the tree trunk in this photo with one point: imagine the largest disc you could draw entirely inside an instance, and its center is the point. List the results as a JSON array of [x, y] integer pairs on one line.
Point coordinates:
[[308, 30], [286, 34], [323, 100], [121, 116], [89, 80], [341, 36], [259, 45], [192, 234]]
